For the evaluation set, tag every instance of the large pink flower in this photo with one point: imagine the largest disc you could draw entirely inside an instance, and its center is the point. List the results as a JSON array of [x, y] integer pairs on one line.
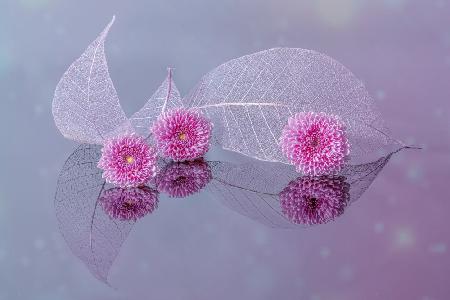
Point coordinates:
[[182, 134], [128, 161], [181, 179], [129, 203], [312, 200], [316, 144]]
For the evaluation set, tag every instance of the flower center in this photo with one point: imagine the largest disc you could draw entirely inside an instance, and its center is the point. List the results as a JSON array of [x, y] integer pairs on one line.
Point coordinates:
[[129, 159], [312, 203], [182, 136], [180, 180], [128, 204]]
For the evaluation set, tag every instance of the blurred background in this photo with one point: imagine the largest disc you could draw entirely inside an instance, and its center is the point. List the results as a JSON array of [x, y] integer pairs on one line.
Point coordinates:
[[391, 244]]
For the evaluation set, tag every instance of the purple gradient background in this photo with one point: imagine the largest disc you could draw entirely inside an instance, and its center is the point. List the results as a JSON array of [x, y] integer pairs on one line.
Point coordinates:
[[391, 244]]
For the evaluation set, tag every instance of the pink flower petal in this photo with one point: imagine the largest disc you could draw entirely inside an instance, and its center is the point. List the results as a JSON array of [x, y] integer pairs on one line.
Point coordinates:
[[130, 203], [316, 143], [181, 179], [128, 161], [315, 200], [182, 134]]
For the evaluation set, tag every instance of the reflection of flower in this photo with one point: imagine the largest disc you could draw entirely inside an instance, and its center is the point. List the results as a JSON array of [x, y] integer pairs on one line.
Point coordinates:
[[127, 161], [182, 134], [129, 203], [181, 179], [314, 200], [315, 143]]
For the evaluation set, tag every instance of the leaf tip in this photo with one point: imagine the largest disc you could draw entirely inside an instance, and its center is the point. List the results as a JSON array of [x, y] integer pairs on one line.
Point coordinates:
[[170, 73], [109, 25]]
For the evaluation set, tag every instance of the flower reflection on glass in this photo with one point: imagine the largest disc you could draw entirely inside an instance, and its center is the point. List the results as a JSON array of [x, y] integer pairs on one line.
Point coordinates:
[[128, 161], [315, 143], [181, 179], [129, 204], [312, 200], [182, 134]]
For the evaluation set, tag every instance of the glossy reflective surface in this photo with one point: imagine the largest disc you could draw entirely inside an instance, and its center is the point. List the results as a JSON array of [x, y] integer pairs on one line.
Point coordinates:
[[393, 243]]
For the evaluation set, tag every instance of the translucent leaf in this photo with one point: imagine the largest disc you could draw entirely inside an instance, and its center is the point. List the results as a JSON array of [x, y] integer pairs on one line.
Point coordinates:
[[252, 190], [86, 107], [250, 99], [165, 98], [254, 204], [90, 233]]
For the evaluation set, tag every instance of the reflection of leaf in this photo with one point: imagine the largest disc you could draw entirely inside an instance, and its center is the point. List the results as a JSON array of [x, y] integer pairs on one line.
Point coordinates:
[[261, 207], [250, 99], [360, 177], [252, 189], [165, 98], [86, 107], [90, 233]]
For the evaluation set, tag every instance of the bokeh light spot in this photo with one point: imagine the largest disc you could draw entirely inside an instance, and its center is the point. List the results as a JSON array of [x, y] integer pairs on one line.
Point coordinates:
[[378, 227], [346, 273], [404, 238], [438, 248], [325, 252]]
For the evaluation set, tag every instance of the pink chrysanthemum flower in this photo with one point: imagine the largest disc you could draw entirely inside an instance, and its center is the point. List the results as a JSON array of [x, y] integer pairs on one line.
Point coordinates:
[[129, 204], [181, 179], [316, 144], [182, 134], [128, 161], [315, 200]]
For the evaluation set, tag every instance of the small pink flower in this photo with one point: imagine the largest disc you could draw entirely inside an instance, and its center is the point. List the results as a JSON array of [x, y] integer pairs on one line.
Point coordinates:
[[128, 161], [130, 203], [182, 134], [316, 144], [181, 179], [315, 200]]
